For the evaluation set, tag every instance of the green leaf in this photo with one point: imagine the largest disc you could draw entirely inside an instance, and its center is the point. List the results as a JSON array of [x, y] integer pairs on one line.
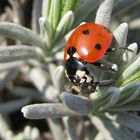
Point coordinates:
[[46, 4], [50, 17], [21, 33], [64, 25], [69, 5], [133, 78], [56, 13]]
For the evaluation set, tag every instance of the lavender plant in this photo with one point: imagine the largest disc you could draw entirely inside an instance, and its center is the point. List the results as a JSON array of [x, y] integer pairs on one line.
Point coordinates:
[[110, 113]]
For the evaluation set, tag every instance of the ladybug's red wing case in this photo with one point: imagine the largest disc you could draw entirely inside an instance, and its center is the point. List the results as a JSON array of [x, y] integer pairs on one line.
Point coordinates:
[[91, 41]]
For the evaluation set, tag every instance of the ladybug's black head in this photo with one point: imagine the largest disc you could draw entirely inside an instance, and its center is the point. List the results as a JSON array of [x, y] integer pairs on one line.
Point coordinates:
[[71, 51], [76, 69]]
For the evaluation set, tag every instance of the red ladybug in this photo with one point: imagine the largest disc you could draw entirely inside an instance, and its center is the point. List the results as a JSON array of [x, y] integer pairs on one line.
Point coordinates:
[[87, 44]]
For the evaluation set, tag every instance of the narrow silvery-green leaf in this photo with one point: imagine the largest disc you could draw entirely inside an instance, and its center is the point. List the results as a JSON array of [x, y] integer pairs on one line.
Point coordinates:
[[60, 44], [113, 98], [99, 124], [42, 82], [59, 78], [7, 76], [19, 52], [70, 126], [104, 97], [46, 4], [14, 105], [10, 65], [128, 91], [77, 103], [120, 34], [134, 92], [26, 91], [68, 5], [21, 33], [104, 12], [100, 98], [56, 128], [130, 70], [110, 130], [129, 135], [64, 25], [128, 119], [45, 31], [52, 67], [129, 55], [131, 106], [128, 58], [43, 111], [102, 128]]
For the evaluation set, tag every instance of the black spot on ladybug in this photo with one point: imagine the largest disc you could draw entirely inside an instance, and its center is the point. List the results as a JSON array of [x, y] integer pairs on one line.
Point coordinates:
[[71, 51], [107, 29], [85, 32], [98, 47]]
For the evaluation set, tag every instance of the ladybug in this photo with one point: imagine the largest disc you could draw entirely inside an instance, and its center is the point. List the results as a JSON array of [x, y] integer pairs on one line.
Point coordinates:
[[87, 44]]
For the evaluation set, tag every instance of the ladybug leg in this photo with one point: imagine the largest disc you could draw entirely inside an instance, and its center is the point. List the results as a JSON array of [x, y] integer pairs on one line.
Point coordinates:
[[105, 82], [105, 65], [110, 50], [91, 86]]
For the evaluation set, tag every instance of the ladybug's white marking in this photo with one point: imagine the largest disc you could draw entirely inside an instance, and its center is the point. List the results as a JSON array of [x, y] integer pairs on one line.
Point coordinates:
[[89, 79], [82, 23], [114, 67], [80, 73], [82, 80], [102, 65], [67, 57], [85, 51], [76, 55]]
